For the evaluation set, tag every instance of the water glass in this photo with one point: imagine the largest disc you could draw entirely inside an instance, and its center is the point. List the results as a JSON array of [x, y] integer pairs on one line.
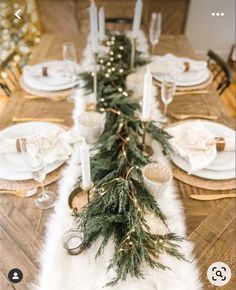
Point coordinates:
[[155, 29], [168, 88], [70, 60], [31, 150]]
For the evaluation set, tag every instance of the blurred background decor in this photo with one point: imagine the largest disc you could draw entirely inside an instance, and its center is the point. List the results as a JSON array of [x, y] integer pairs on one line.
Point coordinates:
[[18, 38]]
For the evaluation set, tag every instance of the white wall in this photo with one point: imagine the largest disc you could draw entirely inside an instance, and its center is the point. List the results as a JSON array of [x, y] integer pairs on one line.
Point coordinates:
[[211, 32]]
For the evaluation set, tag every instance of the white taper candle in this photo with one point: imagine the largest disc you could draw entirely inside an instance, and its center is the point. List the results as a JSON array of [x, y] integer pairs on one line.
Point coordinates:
[[93, 27], [85, 165], [101, 17], [147, 90], [137, 18]]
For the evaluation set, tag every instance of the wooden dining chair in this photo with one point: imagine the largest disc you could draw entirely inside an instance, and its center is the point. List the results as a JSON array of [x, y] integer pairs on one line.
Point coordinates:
[[10, 72], [220, 70]]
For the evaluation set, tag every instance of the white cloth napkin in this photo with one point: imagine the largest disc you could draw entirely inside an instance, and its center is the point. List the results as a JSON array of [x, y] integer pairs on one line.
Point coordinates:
[[195, 143], [57, 145], [58, 72], [170, 64]]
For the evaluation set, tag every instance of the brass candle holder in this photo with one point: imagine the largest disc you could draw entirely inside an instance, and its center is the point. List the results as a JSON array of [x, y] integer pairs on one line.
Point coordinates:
[[147, 150], [72, 240], [133, 50], [79, 191]]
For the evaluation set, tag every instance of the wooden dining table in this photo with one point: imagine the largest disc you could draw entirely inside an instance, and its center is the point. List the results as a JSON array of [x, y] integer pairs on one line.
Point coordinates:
[[210, 224]]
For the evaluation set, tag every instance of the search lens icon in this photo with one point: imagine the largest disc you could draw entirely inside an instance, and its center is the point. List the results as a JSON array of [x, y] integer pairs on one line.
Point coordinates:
[[219, 274]]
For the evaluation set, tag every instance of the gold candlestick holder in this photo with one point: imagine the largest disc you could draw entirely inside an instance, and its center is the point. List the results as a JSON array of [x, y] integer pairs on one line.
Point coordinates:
[[147, 150], [79, 191], [133, 50], [95, 77]]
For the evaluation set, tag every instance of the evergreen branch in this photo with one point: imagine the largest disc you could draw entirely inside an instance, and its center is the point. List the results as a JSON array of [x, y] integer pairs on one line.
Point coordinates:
[[121, 201]]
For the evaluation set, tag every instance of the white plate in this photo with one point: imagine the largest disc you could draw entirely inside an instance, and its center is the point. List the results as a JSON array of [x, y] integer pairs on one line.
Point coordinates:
[[12, 166], [188, 78], [49, 83], [204, 173], [223, 166]]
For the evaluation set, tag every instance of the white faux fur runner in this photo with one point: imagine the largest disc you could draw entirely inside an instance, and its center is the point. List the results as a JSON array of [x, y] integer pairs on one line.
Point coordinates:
[[60, 271]]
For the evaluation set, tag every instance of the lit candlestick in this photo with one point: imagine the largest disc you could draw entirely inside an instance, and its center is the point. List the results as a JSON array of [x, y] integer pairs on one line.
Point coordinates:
[[93, 27], [101, 17], [137, 18], [85, 165], [147, 90]]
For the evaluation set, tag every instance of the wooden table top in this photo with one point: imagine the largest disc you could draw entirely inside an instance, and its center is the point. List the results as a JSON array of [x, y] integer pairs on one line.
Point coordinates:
[[210, 224]]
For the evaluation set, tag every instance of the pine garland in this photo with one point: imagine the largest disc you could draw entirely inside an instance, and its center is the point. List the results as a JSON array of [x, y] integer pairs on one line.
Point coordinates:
[[121, 200]]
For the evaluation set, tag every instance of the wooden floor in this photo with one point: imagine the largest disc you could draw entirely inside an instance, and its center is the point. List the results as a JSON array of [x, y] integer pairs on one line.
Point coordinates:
[[210, 225]]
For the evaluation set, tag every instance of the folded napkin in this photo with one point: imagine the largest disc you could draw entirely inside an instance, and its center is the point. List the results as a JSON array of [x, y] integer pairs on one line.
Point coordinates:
[[57, 145], [197, 144], [58, 72], [170, 64]]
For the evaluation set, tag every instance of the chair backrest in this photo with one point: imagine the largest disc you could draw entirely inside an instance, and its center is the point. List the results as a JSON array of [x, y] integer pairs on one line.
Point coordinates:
[[9, 74], [221, 71]]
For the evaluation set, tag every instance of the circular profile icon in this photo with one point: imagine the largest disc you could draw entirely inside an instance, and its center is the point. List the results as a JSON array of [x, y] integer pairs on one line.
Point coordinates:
[[15, 275], [219, 274]]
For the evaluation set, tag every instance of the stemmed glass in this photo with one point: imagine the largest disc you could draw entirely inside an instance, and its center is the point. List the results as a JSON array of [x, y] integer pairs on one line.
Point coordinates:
[[168, 88], [70, 60], [155, 29], [31, 150]]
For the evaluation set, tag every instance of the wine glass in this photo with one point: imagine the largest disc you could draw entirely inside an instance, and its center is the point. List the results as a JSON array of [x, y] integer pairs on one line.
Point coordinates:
[[168, 88], [155, 29], [70, 60], [31, 150]]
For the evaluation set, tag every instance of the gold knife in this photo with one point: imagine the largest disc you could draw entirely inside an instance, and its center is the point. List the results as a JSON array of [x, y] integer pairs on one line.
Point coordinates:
[[30, 119], [212, 196], [194, 92], [56, 98], [193, 116]]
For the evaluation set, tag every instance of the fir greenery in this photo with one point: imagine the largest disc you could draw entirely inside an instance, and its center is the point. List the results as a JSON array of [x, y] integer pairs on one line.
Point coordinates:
[[121, 201]]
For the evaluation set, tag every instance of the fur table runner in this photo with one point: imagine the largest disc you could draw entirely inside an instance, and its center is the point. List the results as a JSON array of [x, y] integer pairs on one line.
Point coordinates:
[[60, 271]]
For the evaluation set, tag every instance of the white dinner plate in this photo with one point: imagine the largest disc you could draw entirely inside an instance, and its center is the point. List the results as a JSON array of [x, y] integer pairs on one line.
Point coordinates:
[[223, 166], [47, 83], [188, 78], [12, 166], [204, 173]]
